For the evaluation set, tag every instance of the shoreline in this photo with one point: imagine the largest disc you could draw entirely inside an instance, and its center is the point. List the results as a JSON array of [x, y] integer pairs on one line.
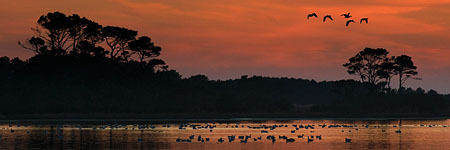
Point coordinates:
[[216, 117]]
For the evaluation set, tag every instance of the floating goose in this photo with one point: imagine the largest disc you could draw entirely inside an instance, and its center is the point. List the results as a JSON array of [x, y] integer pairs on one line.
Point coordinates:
[[290, 140]]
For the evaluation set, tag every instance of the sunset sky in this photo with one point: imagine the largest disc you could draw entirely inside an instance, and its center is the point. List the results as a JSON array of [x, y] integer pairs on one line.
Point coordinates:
[[225, 39]]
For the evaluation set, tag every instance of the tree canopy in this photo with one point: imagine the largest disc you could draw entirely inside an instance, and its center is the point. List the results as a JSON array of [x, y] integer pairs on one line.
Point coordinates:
[[375, 67], [404, 68], [61, 34]]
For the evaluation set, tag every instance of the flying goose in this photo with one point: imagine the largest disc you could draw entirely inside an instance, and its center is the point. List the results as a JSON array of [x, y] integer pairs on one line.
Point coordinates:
[[348, 22], [364, 19], [346, 15], [311, 15], [327, 16]]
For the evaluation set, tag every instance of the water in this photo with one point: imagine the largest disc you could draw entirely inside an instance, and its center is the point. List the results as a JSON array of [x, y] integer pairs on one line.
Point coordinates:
[[82, 134]]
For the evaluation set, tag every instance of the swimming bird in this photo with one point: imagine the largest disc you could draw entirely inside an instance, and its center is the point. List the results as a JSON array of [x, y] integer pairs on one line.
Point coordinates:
[[244, 141], [327, 16], [348, 22], [346, 15], [231, 138], [311, 15], [364, 19], [290, 140]]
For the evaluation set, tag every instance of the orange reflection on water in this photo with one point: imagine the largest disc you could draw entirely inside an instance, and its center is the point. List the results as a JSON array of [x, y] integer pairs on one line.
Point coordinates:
[[375, 134]]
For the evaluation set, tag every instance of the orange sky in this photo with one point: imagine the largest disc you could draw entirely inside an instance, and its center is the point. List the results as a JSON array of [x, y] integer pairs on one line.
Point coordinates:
[[228, 38]]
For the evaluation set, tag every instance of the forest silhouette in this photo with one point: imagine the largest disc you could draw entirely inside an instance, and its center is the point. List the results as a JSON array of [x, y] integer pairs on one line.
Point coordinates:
[[82, 67]]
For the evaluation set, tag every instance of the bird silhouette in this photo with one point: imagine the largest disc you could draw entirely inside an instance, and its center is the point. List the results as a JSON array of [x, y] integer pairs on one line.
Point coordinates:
[[311, 15], [346, 15], [364, 19], [327, 16], [349, 21]]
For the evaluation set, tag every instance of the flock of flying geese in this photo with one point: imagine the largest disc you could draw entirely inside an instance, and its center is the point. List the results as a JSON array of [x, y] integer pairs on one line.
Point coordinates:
[[366, 20]]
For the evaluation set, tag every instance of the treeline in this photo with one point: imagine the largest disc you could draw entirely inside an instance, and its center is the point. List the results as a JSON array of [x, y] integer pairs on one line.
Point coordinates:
[[73, 84], [72, 73]]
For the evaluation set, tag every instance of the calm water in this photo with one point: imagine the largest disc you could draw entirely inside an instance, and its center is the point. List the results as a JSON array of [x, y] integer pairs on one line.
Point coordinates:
[[373, 134]]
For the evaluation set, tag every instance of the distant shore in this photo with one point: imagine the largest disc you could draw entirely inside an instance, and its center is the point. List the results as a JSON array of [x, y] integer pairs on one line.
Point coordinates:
[[219, 116]]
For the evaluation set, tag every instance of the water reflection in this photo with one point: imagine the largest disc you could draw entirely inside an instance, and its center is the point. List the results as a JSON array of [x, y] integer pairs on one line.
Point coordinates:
[[270, 134]]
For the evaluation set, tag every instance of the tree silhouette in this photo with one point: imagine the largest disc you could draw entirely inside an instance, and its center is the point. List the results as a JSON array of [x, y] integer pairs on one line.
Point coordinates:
[[117, 39], [367, 64], [387, 71], [36, 45], [200, 77], [83, 29], [404, 68], [57, 32], [145, 48], [54, 28], [373, 65], [85, 47], [158, 64]]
